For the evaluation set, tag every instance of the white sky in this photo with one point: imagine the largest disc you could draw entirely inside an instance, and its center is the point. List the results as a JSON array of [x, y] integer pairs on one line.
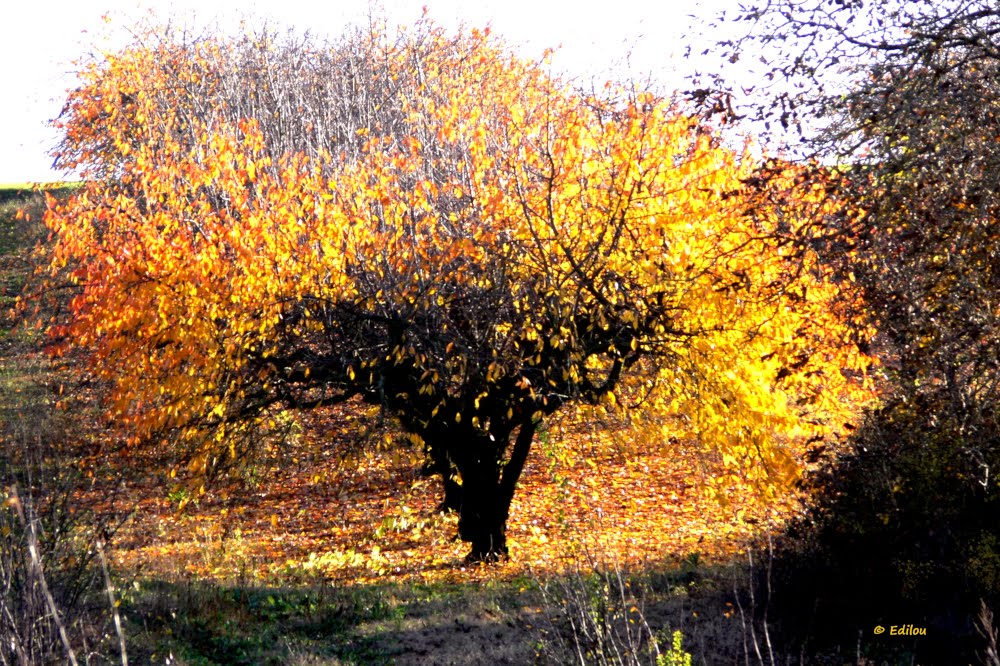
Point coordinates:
[[40, 38]]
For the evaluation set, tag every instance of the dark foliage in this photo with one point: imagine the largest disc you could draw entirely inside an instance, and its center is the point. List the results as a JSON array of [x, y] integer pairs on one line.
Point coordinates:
[[904, 532]]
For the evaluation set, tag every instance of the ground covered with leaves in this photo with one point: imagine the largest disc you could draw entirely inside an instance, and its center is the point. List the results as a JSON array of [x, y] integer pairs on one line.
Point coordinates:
[[312, 512]]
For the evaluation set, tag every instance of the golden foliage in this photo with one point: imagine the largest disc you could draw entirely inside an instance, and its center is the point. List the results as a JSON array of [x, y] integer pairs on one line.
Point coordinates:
[[619, 254]]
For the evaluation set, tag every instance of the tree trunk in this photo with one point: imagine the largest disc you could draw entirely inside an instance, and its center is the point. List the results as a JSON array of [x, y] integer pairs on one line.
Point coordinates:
[[487, 491], [452, 501], [483, 519]]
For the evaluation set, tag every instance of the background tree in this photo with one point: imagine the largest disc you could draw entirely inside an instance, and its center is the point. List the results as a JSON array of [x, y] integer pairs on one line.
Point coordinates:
[[433, 225], [904, 97]]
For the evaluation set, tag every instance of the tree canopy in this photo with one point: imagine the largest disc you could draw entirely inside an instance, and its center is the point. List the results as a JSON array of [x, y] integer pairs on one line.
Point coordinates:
[[428, 223]]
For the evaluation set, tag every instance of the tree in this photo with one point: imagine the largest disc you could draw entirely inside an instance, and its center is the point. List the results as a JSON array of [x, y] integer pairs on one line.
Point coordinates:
[[435, 226], [904, 98]]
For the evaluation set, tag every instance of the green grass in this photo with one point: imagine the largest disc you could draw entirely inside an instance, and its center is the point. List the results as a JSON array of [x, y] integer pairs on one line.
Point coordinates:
[[526, 620], [203, 624], [17, 238], [25, 186], [16, 187], [18, 192]]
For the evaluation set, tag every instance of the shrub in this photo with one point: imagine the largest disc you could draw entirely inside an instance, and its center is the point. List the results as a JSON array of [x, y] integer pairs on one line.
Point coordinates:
[[903, 530], [596, 617]]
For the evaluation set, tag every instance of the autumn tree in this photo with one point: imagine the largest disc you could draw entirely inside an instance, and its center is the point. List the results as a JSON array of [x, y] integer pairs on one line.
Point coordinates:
[[903, 96], [428, 223]]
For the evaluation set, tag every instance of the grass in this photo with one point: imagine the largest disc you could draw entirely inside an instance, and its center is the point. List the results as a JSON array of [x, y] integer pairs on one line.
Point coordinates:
[[201, 623], [205, 623], [501, 621], [18, 236], [30, 186], [23, 191]]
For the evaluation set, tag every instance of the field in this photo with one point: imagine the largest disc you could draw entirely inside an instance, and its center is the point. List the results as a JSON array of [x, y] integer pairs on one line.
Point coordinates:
[[330, 549]]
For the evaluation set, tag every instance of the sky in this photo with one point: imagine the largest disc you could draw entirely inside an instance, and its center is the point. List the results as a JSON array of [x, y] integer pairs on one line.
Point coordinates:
[[40, 39]]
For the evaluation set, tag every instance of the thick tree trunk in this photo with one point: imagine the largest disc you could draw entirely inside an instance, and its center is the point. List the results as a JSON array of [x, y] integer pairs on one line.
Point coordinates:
[[452, 501], [483, 520], [487, 491]]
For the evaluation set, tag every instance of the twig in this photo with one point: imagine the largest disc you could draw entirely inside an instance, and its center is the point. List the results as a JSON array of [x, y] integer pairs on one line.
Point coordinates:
[[986, 629], [111, 599], [767, 602], [37, 563], [743, 619], [753, 608]]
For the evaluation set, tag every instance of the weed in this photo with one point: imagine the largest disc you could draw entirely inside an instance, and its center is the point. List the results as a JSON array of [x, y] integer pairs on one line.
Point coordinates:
[[675, 656], [49, 543]]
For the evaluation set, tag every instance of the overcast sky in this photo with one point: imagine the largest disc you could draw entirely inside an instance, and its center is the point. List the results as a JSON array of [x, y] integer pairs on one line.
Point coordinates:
[[40, 38]]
